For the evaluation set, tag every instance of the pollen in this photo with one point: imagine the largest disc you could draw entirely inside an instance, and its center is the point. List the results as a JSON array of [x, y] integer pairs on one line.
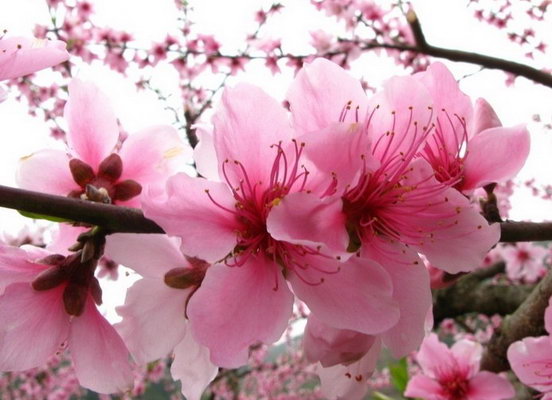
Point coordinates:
[[173, 152]]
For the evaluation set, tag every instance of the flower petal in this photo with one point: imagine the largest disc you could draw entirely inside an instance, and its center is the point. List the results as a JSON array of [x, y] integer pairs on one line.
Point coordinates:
[[186, 211], [434, 357], [484, 117], [21, 56], [153, 154], [192, 367], [420, 386], [93, 130], [488, 386], [531, 361], [355, 295], [495, 155], [205, 155], [349, 381], [468, 355], [236, 307], [331, 346], [100, 357], [149, 255], [305, 219], [248, 137], [150, 307], [46, 171], [15, 267], [411, 291], [320, 94], [31, 317]]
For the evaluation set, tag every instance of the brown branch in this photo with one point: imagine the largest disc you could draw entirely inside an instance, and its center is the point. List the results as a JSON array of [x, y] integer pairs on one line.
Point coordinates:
[[511, 231], [528, 320], [423, 47], [475, 293], [111, 218]]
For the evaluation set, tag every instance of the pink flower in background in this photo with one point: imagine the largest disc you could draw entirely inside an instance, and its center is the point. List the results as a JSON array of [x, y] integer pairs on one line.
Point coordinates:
[[48, 302], [157, 303], [453, 374], [244, 298], [94, 169], [469, 144], [531, 358], [21, 56], [525, 261]]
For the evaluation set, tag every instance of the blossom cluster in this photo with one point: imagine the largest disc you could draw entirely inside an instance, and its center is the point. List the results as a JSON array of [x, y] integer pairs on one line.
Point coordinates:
[[331, 200]]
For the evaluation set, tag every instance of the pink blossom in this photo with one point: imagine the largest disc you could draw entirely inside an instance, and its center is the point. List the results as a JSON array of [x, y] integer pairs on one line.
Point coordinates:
[[245, 298], [157, 303], [46, 305], [531, 358], [94, 170], [21, 56], [453, 374], [469, 144], [525, 261], [370, 147]]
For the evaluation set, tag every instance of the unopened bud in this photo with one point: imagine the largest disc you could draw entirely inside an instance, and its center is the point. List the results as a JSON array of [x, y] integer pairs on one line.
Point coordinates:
[[111, 168], [49, 278], [81, 171]]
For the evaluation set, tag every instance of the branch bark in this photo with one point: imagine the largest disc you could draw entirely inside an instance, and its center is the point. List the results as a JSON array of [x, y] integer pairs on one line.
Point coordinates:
[[475, 293], [527, 320]]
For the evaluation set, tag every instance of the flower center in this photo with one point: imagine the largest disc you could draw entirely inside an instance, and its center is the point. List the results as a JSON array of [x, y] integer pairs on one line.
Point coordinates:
[[456, 387]]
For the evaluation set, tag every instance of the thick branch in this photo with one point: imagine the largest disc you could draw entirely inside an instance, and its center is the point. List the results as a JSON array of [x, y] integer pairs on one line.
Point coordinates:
[[110, 217], [475, 293], [528, 320], [131, 220]]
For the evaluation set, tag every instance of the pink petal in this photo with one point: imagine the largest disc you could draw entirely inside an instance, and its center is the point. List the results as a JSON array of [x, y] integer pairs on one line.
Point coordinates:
[[153, 154], [205, 155], [410, 289], [248, 137], [420, 386], [331, 346], [337, 151], [187, 212], [404, 117], [93, 130], [531, 361], [236, 307], [495, 155], [321, 92], [46, 171], [15, 267], [150, 255], [349, 382], [435, 358], [100, 357], [152, 307], [192, 367], [450, 104], [468, 356], [305, 219], [488, 386], [455, 237], [31, 318], [21, 56], [357, 297], [484, 117], [3, 94]]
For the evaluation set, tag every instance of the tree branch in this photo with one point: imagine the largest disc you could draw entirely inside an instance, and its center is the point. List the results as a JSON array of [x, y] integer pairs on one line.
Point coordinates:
[[528, 320], [110, 217], [474, 293], [131, 220]]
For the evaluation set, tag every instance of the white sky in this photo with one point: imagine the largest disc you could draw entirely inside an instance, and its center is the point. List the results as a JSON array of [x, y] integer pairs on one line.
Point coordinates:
[[445, 23]]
